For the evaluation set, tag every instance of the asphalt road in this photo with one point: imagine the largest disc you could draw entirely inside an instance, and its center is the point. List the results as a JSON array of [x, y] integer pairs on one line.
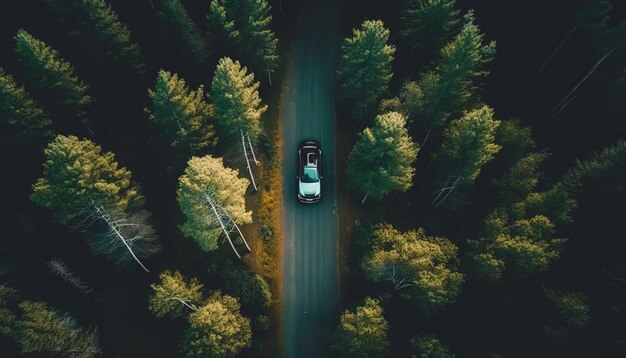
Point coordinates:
[[310, 230]]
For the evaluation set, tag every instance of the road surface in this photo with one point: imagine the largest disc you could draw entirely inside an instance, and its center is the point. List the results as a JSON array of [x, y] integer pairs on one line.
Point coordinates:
[[310, 231]]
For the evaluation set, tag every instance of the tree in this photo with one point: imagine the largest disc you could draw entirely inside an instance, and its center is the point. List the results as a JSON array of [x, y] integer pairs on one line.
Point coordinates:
[[7, 317], [174, 296], [522, 178], [448, 89], [42, 329], [58, 268], [246, 23], [182, 115], [426, 25], [469, 143], [382, 159], [428, 346], [77, 174], [53, 75], [211, 197], [174, 16], [422, 268], [99, 28], [365, 67], [363, 333], [248, 286], [217, 329], [238, 107], [21, 117], [567, 309]]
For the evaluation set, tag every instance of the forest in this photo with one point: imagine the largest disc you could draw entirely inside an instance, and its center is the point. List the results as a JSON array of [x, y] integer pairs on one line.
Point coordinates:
[[473, 181]]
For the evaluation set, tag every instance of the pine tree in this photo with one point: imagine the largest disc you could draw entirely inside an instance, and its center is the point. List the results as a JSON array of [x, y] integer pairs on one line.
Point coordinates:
[[521, 179], [363, 333], [217, 329], [98, 26], [174, 16], [7, 317], [382, 159], [365, 67], [449, 88], [426, 25], [182, 115], [428, 346], [42, 329], [21, 118], [205, 188], [246, 24], [174, 296], [468, 143], [236, 99], [76, 175], [422, 268], [53, 75]]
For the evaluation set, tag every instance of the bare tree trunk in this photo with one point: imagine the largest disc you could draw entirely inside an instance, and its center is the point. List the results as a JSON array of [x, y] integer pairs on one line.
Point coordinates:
[[364, 198], [184, 302], [251, 149], [245, 153], [219, 219], [545, 63]]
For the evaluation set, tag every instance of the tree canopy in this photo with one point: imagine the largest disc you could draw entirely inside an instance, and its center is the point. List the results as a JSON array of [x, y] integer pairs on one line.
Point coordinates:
[[243, 283], [175, 17], [182, 115], [173, 296], [420, 267], [363, 332], [53, 75], [236, 97], [365, 67], [382, 159], [78, 175], [428, 346], [205, 186], [246, 24], [217, 329]]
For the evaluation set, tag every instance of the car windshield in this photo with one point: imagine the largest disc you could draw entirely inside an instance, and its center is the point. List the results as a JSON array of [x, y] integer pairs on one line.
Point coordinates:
[[309, 175]]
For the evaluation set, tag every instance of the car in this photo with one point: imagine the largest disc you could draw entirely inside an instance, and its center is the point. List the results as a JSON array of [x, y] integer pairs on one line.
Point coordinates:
[[309, 172]]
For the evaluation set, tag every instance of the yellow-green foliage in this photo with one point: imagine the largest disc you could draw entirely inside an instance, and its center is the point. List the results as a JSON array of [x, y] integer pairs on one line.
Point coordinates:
[[236, 97], [182, 115], [173, 295], [363, 333], [20, 116], [49, 72], [217, 329], [207, 177], [77, 175]]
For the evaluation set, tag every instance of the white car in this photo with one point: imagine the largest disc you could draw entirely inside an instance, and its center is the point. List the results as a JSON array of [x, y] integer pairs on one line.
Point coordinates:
[[309, 172]]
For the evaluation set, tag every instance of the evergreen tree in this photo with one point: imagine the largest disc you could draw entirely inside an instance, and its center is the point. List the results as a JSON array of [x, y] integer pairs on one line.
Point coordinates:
[[450, 87], [363, 333], [429, 347], [420, 267], [567, 309], [426, 25], [99, 28], [77, 175], [382, 159], [7, 317], [365, 67], [174, 16], [42, 329], [236, 98], [207, 186], [217, 329], [53, 75], [521, 179], [182, 115], [21, 118], [516, 141], [243, 283], [246, 24], [468, 143], [174, 296]]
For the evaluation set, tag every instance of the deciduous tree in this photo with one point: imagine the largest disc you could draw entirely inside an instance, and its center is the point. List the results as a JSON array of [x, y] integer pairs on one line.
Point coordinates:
[[365, 67], [428, 346], [245, 284], [21, 118], [246, 24], [53, 75], [211, 197], [382, 159], [363, 332], [420, 267], [468, 143], [217, 329], [174, 296], [182, 115]]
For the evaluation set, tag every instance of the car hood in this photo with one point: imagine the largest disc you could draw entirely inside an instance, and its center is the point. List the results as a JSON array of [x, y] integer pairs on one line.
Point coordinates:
[[309, 188]]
